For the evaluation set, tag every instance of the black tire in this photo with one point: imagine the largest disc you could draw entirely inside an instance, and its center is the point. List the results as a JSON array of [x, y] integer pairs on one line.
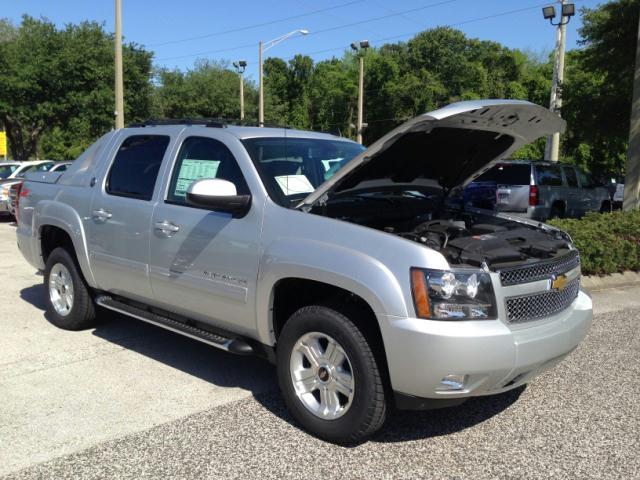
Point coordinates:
[[82, 314], [368, 408], [557, 211], [605, 207]]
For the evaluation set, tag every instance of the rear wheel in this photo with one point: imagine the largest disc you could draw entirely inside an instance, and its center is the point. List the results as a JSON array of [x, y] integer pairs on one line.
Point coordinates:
[[557, 211], [329, 376], [69, 302], [605, 207]]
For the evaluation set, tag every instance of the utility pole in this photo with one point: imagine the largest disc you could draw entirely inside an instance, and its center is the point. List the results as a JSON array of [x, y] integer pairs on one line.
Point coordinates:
[[260, 88], [567, 10], [360, 48], [119, 84], [632, 169], [241, 65]]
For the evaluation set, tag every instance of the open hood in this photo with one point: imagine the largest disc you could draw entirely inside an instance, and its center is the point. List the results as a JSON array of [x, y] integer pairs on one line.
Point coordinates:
[[447, 148]]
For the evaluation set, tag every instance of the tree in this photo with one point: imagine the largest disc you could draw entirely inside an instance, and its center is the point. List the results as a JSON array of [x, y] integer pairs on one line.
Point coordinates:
[[209, 90], [599, 89], [56, 90]]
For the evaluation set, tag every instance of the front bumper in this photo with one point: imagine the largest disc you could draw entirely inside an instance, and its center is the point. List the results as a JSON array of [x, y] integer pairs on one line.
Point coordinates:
[[494, 356]]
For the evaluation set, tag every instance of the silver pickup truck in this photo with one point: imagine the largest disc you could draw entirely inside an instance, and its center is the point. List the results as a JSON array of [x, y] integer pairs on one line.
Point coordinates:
[[350, 269]]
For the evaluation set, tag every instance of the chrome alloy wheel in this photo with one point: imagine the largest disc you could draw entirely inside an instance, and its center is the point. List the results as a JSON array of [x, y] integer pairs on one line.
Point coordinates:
[[61, 289], [322, 375]]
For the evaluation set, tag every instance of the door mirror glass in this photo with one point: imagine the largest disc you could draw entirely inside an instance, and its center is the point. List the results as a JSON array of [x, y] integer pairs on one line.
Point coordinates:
[[219, 195]]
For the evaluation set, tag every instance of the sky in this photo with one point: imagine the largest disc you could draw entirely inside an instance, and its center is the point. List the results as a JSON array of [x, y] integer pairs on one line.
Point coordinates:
[[181, 32]]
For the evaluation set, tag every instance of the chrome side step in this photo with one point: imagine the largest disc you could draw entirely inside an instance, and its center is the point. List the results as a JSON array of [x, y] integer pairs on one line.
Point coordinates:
[[232, 345]]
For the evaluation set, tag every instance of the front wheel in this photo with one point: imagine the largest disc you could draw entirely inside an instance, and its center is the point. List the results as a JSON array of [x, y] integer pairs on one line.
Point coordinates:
[[69, 302], [329, 376]]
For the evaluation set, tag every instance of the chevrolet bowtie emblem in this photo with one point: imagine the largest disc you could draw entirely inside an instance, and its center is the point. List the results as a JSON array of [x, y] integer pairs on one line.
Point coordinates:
[[558, 282]]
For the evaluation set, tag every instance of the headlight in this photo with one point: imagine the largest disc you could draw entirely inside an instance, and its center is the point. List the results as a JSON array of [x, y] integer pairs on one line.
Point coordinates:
[[453, 295]]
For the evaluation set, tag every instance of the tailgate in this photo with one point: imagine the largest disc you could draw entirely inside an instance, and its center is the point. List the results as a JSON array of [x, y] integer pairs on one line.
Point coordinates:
[[512, 198]]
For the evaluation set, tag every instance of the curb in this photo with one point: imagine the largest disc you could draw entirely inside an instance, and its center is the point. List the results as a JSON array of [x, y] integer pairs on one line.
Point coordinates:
[[593, 283]]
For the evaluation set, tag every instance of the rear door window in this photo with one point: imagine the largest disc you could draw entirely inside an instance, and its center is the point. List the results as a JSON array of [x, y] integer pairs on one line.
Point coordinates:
[[549, 175], [135, 168], [507, 174], [570, 175]]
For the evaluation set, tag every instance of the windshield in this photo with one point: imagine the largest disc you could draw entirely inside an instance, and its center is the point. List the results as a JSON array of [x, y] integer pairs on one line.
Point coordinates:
[[42, 167], [292, 168], [6, 170]]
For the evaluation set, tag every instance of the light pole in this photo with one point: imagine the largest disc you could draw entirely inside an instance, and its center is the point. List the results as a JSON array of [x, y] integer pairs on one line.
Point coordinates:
[[568, 10], [632, 169], [241, 65], [360, 47], [119, 82], [263, 47]]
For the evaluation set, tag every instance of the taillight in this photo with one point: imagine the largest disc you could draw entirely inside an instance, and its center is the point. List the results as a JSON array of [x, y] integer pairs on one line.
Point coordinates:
[[533, 195], [19, 193]]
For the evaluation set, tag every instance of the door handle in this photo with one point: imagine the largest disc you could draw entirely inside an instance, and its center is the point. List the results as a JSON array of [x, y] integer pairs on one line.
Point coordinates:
[[102, 214], [166, 227]]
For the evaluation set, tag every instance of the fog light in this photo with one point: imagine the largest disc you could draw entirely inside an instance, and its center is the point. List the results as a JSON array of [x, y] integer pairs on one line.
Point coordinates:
[[452, 383]]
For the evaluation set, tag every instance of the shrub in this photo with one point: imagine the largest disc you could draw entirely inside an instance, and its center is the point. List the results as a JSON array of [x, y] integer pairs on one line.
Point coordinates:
[[608, 242]]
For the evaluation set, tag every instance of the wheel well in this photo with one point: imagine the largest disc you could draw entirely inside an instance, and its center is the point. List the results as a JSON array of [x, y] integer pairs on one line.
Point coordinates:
[[291, 294], [53, 237]]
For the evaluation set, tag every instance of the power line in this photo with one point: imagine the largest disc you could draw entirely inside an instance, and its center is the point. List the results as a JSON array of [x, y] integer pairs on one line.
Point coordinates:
[[318, 32], [257, 25], [378, 40], [464, 22], [383, 17]]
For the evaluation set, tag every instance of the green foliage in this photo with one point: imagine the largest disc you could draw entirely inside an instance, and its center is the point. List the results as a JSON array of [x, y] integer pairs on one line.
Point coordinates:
[[209, 90], [598, 91], [56, 87], [608, 242]]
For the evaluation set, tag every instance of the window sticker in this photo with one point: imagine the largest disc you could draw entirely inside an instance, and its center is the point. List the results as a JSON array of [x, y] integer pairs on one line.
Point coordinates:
[[192, 170], [292, 184]]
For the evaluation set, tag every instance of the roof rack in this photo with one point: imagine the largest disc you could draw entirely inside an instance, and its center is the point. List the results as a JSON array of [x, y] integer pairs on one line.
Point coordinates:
[[215, 123], [156, 122]]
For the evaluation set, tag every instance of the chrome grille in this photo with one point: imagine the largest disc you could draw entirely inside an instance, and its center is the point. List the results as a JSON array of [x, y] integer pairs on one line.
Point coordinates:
[[539, 271], [539, 305]]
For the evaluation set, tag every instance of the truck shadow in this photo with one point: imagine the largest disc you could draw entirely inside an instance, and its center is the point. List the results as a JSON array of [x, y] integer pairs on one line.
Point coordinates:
[[259, 377]]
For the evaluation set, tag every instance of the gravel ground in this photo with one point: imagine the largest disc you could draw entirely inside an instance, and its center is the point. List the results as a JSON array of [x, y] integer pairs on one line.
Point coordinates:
[[128, 400], [580, 420]]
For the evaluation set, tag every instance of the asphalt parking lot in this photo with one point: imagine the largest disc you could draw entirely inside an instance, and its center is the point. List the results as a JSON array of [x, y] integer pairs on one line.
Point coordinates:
[[128, 400]]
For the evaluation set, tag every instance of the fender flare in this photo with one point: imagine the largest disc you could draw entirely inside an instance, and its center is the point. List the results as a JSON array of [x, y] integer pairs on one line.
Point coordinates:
[[342, 267], [60, 215]]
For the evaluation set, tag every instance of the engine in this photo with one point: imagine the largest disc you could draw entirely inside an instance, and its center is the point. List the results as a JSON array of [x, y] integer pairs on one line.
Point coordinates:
[[464, 242]]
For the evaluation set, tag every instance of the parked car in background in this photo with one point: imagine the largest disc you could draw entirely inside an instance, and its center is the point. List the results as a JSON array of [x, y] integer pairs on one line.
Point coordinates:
[[20, 169], [7, 169], [538, 190], [616, 190], [59, 166]]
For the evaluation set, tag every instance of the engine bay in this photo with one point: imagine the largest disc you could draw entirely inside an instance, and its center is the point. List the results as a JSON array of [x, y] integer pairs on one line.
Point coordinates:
[[464, 242], [464, 238]]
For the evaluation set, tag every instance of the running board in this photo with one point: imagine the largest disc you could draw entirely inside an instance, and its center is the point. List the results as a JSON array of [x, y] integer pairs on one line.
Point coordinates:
[[232, 345]]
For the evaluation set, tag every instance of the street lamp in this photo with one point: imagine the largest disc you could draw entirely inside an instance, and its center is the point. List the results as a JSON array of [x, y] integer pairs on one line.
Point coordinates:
[[360, 47], [240, 66], [263, 47], [567, 11]]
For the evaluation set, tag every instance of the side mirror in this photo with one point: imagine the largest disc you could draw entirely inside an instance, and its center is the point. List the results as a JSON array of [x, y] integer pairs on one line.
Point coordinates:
[[219, 195]]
